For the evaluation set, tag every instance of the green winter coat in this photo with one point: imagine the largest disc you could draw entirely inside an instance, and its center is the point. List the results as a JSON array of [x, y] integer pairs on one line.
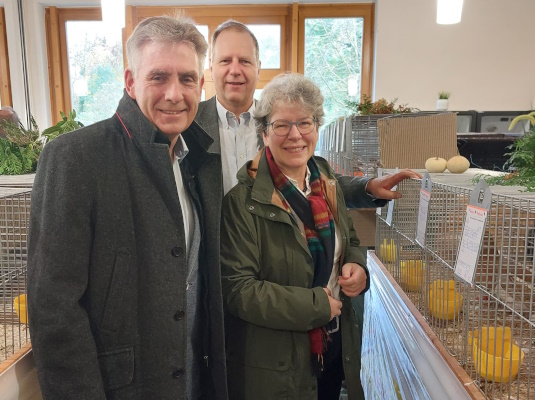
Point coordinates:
[[267, 273]]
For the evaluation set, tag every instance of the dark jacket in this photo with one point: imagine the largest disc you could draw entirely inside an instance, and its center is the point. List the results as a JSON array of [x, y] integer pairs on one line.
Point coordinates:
[[267, 273], [107, 266], [354, 188]]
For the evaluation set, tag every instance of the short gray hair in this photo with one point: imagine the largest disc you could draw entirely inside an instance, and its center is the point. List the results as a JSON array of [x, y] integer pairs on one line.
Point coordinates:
[[239, 27], [167, 30], [291, 88]]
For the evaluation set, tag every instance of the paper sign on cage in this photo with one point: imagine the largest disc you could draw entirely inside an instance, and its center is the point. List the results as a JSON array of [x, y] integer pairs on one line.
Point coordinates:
[[425, 197], [391, 205], [473, 230]]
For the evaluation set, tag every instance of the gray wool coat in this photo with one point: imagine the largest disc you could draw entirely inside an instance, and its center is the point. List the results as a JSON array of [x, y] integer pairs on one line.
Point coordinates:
[[107, 266], [354, 188]]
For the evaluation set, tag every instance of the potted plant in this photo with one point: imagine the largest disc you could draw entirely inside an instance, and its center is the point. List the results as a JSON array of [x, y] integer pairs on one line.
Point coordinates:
[[442, 102], [20, 149]]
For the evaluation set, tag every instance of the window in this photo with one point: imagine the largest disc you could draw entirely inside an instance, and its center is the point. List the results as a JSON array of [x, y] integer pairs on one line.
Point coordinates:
[[87, 72], [335, 51], [5, 84]]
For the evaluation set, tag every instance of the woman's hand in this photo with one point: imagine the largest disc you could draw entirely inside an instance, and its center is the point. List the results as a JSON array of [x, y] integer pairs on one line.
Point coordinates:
[[336, 305], [353, 279]]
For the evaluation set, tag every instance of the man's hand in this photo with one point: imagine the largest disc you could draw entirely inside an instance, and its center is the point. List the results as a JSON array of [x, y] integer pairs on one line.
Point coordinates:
[[381, 187], [336, 305], [353, 279]]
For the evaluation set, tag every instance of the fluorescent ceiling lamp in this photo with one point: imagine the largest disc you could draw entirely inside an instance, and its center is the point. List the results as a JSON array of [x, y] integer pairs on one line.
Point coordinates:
[[113, 12], [448, 11]]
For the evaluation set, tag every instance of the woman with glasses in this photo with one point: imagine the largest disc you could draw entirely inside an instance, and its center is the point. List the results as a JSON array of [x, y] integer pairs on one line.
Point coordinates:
[[291, 260]]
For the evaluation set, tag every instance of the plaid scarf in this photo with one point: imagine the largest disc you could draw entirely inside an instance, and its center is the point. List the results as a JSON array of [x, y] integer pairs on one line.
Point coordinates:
[[319, 231]]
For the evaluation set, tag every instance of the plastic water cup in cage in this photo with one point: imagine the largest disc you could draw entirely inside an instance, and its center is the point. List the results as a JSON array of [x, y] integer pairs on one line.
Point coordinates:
[[412, 274], [496, 357], [443, 300], [19, 304], [388, 251]]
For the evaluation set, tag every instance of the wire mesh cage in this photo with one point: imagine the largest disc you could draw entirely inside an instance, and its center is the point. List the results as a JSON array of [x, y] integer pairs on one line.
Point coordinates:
[[14, 217], [359, 145], [489, 327]]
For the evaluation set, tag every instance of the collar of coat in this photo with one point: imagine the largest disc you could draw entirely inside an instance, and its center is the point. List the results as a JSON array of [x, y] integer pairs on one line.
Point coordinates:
[[255, 174], [144, 132]]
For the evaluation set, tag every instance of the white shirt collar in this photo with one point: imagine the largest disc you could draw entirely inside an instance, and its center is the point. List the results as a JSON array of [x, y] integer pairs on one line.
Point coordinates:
[[225, 114], [181, 149], [307, 190]]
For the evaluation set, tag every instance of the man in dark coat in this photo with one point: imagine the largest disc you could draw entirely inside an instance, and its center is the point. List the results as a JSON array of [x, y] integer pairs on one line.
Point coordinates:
[[124, 283]]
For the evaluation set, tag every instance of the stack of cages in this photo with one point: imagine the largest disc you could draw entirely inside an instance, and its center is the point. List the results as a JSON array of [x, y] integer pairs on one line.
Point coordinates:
[[351, 145], [14, 218], [489, 326]]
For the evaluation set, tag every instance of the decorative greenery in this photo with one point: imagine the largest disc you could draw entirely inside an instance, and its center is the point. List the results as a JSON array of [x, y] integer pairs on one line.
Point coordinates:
[[19, 151], [444, 95], [67, 124], [521, 160], [381, 106]]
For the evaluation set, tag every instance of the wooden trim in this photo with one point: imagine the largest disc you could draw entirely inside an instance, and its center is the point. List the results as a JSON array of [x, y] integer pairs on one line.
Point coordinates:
[[16, 356], [295, 37], [263, 11], [127, 31], [55, 65], [365, 11], [5, 79]]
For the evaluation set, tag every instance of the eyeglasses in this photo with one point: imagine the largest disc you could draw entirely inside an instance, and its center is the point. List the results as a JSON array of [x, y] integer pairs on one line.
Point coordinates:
[[282, 127]]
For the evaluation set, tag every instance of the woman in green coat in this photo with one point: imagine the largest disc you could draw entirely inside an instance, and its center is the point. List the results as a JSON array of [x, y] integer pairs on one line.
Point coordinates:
[[291, 261]]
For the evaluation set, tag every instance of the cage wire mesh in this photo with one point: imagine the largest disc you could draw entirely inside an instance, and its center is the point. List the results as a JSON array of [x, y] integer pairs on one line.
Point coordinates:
[[488, 327], [351, 145], [14, 217]]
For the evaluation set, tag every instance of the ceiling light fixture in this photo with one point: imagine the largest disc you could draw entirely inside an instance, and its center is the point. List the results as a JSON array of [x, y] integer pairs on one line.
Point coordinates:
[[113, 12], [449, 11]]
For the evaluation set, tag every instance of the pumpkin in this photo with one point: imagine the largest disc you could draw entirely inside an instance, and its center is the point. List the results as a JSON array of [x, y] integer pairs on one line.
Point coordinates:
[[458, 164], [435, 164]]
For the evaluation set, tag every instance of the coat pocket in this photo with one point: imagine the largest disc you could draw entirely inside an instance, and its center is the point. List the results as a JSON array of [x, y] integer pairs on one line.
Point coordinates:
[[116, 367], [118, 291]]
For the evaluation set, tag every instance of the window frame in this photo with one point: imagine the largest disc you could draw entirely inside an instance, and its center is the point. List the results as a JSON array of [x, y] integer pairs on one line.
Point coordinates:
[[364, 11], [289, 16]]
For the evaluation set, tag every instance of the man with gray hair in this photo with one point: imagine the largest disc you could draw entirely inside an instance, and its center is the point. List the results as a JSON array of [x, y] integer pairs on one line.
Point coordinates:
[[7, 114], [124, 285]]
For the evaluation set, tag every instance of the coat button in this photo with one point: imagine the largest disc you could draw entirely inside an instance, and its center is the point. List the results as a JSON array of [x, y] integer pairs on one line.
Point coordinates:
[[179, 315], [251, 208], [272, 215], [178, 373], [176, 251], [282, 363], [348, 358]]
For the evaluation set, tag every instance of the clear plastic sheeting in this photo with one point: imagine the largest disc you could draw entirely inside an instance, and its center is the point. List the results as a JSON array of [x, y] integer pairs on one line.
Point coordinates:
[[398, 359]]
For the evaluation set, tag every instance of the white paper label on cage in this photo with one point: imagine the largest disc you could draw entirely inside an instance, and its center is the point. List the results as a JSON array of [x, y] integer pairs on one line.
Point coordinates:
[[379, 174], [425, 196], [473, 230], [390, 211]]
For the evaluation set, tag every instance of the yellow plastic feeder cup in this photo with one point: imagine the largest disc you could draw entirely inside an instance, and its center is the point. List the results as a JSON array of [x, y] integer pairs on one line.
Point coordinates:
[[19, 304], [388, 251], [412, 274], [443, 300], [496, 357]]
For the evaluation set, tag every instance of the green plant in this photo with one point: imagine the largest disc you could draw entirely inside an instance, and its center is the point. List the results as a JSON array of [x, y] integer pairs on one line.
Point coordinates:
[[444, 95], [19, 151], [521, 160], [67, 124], [381, 106]]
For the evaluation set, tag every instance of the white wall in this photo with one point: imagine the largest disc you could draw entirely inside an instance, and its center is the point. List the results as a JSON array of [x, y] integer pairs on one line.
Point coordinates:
[[487, 61]]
